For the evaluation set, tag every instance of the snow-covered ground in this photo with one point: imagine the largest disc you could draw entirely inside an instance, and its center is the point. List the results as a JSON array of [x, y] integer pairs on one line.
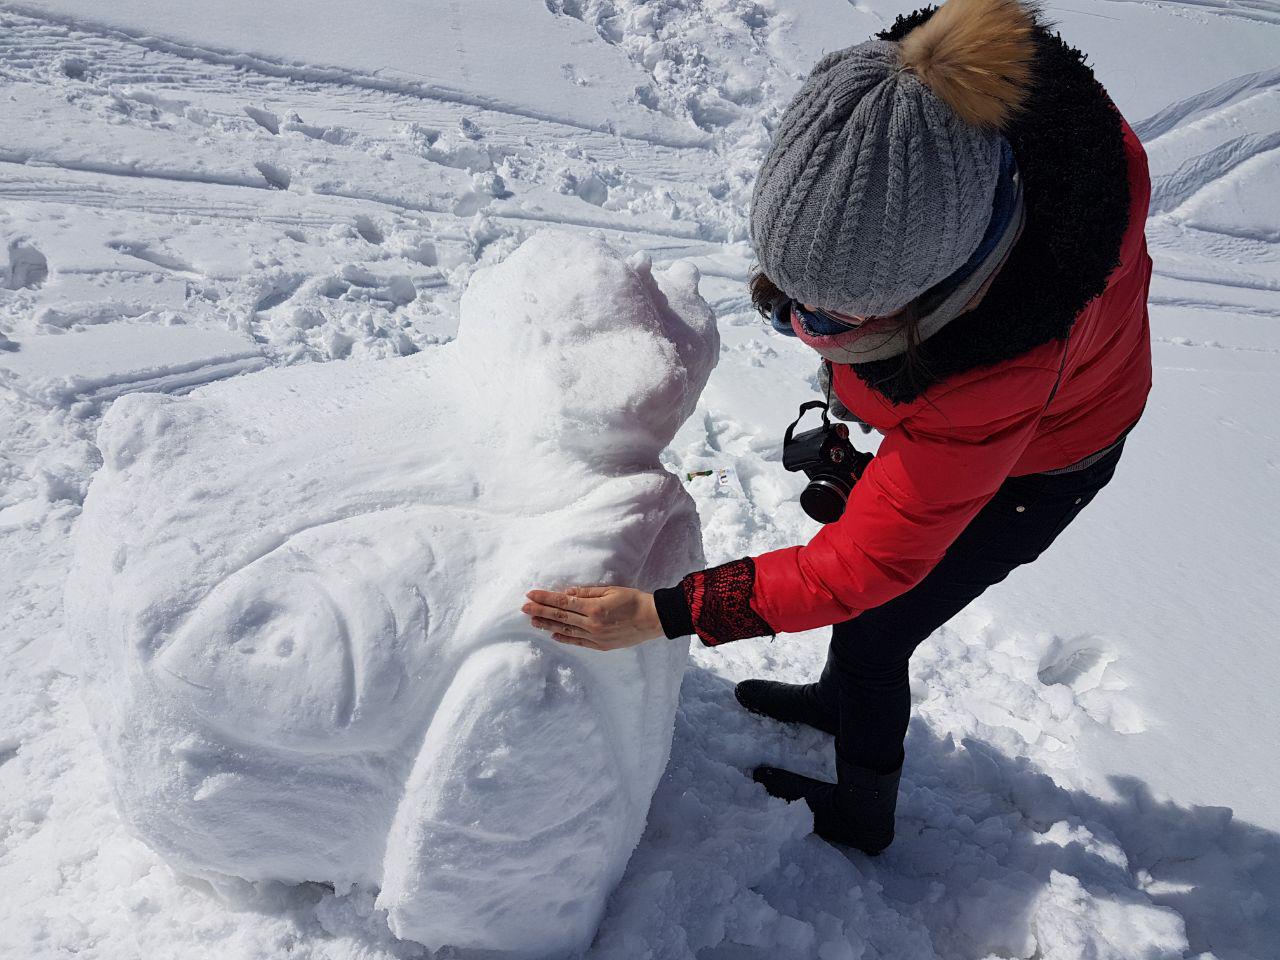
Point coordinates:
[[191, 192]]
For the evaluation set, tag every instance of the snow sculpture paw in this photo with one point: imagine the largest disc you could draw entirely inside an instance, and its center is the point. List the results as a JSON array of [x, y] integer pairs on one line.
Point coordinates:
[[296, 598]]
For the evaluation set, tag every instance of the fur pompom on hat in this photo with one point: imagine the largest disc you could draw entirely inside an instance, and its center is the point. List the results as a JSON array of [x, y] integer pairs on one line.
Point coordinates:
[[880, 179]]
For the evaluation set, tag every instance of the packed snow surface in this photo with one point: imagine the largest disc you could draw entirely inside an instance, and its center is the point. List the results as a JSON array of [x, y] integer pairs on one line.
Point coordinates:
[[189, 191], [469, 53], [103, 362], [339, 686]]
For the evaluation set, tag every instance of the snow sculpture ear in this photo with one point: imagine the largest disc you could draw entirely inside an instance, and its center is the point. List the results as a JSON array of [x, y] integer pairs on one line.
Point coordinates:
[[608, 359], [687, 319]]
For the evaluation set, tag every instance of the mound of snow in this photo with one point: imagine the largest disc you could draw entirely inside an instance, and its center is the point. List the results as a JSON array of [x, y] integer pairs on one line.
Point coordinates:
[[296, 595]]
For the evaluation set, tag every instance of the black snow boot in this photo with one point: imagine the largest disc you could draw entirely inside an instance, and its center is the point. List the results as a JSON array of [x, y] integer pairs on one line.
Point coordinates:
[[788, 702], [856, 812]]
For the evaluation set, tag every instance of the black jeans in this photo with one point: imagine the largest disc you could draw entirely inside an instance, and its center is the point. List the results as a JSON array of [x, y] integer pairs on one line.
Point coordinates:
[[865, 679]]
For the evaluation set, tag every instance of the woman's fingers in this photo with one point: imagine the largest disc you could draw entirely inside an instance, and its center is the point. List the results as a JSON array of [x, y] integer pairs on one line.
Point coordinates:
[[543, 623], [576, 641], [598, 617], [570, 600], [552, 612], [589, 591], [552, 598], [576, 606], [569, 635]]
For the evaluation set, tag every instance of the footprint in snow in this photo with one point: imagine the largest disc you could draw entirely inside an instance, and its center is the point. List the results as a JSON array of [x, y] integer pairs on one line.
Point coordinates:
[[28, 268], [277, 177], [368, 229], [264, 118], [141, 250], [1084, 666]]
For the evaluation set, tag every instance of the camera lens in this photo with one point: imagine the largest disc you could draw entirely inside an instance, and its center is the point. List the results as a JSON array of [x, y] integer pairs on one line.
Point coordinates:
[[824, 499]]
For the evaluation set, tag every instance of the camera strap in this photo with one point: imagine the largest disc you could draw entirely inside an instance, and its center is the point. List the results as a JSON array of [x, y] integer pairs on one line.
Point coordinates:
[[805, 408]]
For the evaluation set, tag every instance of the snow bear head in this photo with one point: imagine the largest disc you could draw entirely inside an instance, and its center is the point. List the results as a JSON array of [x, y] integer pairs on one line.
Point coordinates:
[[586, 350]]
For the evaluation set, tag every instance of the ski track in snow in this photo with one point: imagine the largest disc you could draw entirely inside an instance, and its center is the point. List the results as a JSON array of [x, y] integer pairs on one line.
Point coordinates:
[[320, 214], [316, 74], [1262, 11]]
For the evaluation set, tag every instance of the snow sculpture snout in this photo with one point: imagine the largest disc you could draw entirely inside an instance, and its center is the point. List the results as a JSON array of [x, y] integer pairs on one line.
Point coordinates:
[[296, 599]]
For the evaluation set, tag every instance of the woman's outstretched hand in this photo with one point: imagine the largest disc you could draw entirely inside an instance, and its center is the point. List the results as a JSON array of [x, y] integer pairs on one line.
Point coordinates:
[[602, 618]]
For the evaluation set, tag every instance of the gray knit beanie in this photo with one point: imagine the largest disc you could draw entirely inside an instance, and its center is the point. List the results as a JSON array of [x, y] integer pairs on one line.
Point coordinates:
[[880, 178]]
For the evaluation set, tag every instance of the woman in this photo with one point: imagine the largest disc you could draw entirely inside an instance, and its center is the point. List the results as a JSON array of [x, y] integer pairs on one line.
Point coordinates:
[[952, 216]]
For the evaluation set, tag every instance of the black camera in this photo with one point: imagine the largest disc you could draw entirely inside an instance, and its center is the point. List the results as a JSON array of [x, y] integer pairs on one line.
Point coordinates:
[[832, 464]]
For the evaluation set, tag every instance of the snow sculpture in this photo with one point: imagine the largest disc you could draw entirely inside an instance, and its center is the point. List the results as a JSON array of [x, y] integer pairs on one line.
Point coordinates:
[[296, 598]]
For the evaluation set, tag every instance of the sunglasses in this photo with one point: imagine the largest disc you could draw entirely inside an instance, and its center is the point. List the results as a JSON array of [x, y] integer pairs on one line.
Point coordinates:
[[819, 322]]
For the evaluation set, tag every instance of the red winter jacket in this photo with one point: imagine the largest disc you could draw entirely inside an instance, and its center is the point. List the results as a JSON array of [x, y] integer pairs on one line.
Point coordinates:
[[945, 454]]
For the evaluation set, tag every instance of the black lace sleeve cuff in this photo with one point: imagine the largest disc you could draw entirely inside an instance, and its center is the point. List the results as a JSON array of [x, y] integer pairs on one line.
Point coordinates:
[[715, 604], [673, 611]]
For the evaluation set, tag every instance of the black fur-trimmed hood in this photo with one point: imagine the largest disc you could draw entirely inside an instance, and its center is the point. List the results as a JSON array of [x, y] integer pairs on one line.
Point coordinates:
[[1069, 146]]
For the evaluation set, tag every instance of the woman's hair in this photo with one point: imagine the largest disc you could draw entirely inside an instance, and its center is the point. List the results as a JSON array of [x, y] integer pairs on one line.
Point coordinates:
[[765, 293]]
